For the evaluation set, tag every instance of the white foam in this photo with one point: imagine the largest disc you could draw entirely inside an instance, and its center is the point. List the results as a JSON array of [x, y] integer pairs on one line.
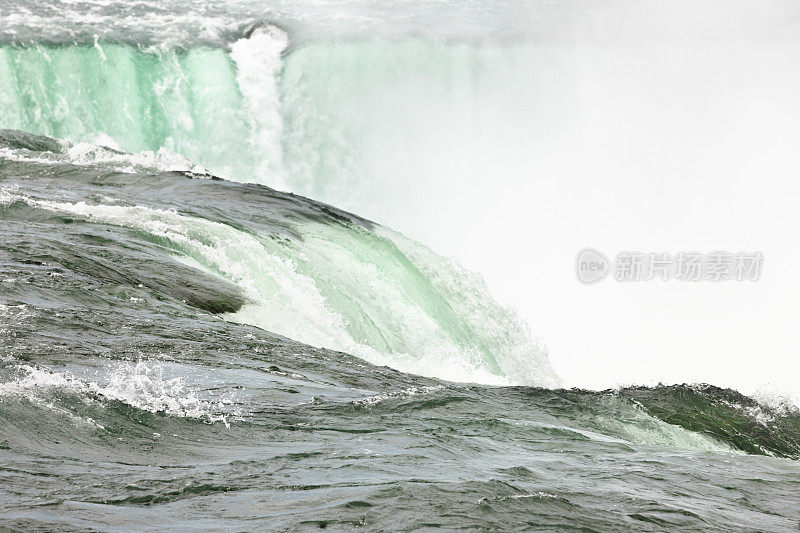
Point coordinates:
[[777, 399], [520, 354], [142, 385], [411, 391], [163, 160], [258, 63], [145, 386], [11, 316], [87, 154]]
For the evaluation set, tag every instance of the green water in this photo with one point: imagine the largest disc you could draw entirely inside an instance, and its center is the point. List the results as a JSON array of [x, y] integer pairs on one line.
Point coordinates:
[[187, 102]]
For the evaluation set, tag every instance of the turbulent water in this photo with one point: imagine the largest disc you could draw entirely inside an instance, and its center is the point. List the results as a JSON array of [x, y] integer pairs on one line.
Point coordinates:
[[183, 351]]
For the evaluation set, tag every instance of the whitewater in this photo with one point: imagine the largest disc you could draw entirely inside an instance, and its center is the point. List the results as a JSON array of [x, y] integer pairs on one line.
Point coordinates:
[[508, 136], [217, 311]]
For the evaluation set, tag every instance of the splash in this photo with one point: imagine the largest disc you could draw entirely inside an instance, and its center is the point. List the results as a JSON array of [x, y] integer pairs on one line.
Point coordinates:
[[143, 385]]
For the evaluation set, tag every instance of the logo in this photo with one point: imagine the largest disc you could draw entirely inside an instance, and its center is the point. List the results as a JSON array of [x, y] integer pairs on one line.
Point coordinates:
[[591, 266]]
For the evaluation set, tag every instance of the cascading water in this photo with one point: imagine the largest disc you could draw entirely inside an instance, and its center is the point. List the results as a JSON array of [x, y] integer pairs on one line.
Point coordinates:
[[188, 352], [218, 108], [321, 288]]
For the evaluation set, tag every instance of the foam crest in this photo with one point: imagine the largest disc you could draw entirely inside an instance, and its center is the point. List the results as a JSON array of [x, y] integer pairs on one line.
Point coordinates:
[[147, 161], [88, 154], [142, 385]]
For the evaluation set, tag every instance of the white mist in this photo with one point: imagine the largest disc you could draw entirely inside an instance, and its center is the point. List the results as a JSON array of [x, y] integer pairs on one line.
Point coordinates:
[[626, 127]]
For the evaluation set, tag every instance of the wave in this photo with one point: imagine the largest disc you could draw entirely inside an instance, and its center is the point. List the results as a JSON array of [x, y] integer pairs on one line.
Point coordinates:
[[47, 151], [332, 280], [694, 417], [142, 385], [308, 272], [725, 415]]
